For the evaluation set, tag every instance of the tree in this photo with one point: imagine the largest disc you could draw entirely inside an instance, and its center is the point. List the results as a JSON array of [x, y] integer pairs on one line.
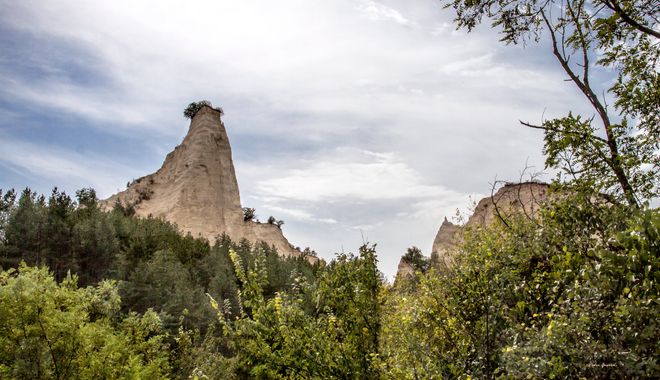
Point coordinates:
[[278, 223], [194, 107], [573, 297], [309, 252], [59, 331], [87, 197], [287, 336], [165, 284], [58, 247], [25, 230], [7, 205], [415, 258], [249, 214], [615, 150]]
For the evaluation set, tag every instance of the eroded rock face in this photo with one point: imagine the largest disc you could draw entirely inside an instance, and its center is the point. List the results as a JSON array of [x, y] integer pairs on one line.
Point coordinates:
[[196, 189], [512, 199], [404, 269], [445, 241]]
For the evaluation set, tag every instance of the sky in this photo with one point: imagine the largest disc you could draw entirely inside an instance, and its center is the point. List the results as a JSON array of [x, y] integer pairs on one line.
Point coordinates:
[[352, 120]]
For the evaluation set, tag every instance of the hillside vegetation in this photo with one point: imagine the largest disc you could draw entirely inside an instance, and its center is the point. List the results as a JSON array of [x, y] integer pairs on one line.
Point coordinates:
[[84, 293]]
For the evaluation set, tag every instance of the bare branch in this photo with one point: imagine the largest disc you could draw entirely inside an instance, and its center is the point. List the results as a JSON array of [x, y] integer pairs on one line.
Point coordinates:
[[495, 205], [529, 215], [546, 128]]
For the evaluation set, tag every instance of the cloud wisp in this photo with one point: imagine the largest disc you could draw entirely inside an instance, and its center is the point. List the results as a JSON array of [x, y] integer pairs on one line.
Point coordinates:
[[349, 174], [73, 170], [379, 12]]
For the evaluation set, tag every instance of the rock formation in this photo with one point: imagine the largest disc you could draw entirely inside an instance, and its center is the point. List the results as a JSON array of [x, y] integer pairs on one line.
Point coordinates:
[[445, 241], [523, 199], [512, 199], [404, 269], [196, 189]]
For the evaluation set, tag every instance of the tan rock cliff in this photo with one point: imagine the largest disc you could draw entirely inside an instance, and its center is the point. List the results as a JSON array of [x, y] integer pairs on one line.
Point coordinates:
[[404, 269], [512, 199], [196, 189], [445, 240]]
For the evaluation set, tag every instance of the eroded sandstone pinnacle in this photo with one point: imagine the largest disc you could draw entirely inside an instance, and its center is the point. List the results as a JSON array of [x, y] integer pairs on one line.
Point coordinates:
[[196, 189], [513, 199], [522, 199]]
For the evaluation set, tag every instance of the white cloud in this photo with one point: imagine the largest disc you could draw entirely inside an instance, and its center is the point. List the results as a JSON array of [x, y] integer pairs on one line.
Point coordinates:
[[61, 167], [442, 29], [451, 205], [88, 103], [295, 55], [379, 12], [298, 214], [349, 174]]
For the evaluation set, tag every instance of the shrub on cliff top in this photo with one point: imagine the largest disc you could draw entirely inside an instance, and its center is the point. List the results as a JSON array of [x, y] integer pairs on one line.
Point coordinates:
[[249, 214], [194, 107]]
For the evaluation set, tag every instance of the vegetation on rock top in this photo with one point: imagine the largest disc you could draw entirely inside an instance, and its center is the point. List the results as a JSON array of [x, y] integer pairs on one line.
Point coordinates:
[[194, 107]]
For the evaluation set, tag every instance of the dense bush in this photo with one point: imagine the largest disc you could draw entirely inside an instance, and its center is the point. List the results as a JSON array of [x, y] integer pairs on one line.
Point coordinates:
[[573, 297], [59, 331], [194, 107], [287, 336], [249, 214]]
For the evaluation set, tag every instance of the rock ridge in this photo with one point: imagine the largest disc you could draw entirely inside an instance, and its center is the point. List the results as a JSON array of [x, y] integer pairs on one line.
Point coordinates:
[[524, 198], [512, 199]]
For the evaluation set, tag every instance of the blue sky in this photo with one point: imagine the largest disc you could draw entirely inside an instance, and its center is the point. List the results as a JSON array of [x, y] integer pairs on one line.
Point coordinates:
[[350, 120]]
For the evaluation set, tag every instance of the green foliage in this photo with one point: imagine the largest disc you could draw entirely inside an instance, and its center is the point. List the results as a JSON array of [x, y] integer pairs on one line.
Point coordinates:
[[163, 282], [87, 197], [194, 107], [58, 233], [25, 224], [324, 330], [161, 274], [416, 259], [573, 297], [249, 214], [57, 331], [7, 205], [573, 293], [613, 151], [603, 321], [278, 223], [158, 267], [202, 358], [309, 252]]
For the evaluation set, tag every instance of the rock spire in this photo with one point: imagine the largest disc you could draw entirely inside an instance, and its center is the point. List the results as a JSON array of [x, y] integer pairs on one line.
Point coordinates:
[[523, 199], [196, 189]]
